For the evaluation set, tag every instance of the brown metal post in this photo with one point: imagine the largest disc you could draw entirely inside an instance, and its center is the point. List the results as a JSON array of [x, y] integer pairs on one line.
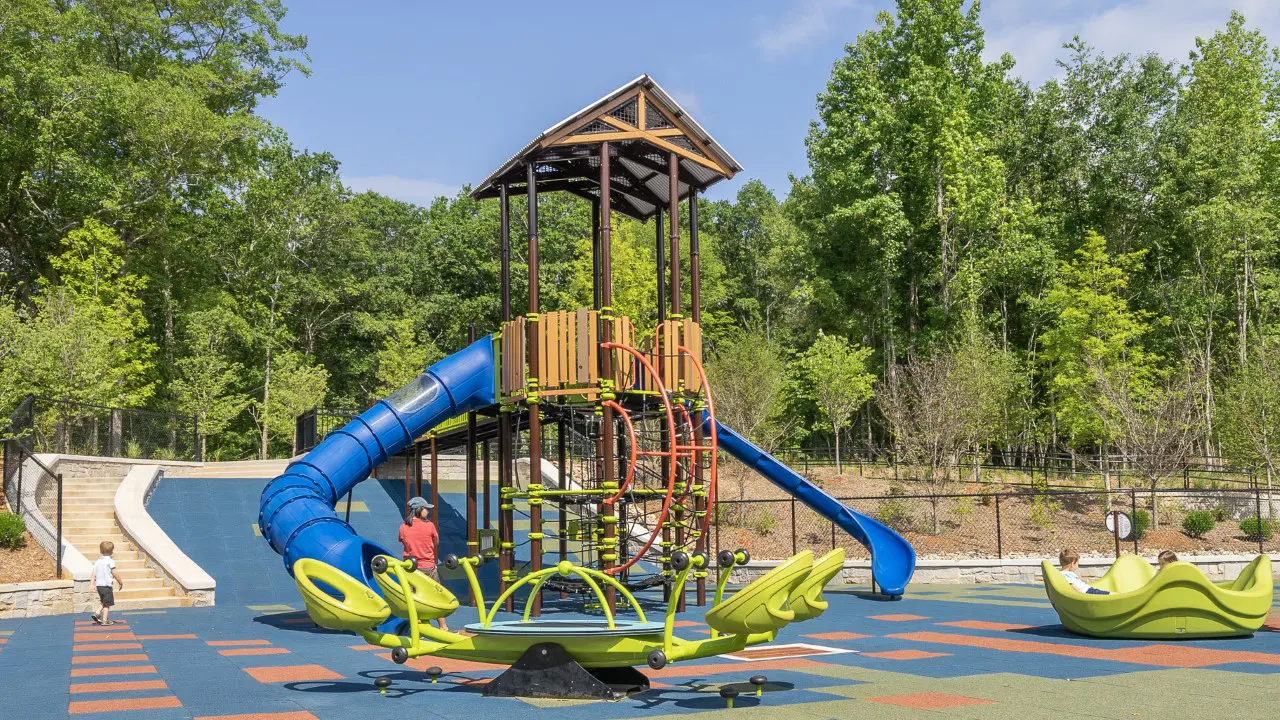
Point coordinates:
[[417, 468], [408, 482], [531, 396], [608, 554], [595, 253], [484, 461], [695, 309], [660, 248], [473, 536], [504, 417], [435, 484], [562, 465], [673, 217]]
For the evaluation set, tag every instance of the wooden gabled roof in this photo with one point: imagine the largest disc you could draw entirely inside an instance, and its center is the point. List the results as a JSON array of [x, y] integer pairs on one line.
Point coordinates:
[[643, 126]]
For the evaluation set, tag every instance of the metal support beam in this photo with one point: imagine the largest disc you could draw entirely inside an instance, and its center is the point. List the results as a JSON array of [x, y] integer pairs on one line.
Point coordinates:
[[531, 396]]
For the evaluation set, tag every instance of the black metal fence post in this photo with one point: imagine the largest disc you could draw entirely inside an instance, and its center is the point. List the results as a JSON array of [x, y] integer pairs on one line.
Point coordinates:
[[999, 533], [793, 525], [59, 543], [19, 478], [1257, 503], [1133, 509], [195, 439]]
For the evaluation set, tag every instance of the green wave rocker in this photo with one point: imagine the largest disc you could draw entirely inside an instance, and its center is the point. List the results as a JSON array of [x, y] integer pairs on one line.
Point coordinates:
[[564, 657], [1177, 602]]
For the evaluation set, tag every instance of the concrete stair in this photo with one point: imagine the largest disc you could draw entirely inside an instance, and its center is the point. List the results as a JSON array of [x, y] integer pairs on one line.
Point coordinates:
[[232, 469], [88, 518]]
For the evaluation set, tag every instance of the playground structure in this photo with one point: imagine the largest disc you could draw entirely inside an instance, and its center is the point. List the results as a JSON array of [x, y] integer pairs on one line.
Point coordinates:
[[626, 399], [1175, 602]]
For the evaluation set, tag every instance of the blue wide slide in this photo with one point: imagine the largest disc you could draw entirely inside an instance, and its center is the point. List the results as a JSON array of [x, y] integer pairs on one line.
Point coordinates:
[[296, 514], [893, 560]]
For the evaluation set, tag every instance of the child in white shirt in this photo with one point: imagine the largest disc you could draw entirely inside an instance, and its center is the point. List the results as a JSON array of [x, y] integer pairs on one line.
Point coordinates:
[[1070, 562], [104, 573]]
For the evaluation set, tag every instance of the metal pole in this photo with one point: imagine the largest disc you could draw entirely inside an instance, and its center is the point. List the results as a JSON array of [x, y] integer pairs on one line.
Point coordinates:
[[504, 236], [473, 536], [348, 513], [673, 216], [484, 459], [435, 483], [531, 395], [408, 483], [999, 531], [1257, 500], [562, 522], [608, 554], [1133, 509], [595, 253], [59, 560], [793, 525], [661, 250]]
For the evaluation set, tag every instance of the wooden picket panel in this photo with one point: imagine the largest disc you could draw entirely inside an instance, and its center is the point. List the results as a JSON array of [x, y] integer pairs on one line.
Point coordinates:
[[553, 341], [582, 320]]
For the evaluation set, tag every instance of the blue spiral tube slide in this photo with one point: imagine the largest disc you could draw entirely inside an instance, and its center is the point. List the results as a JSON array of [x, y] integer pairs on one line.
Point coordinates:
[[893, 560], [297, 514]]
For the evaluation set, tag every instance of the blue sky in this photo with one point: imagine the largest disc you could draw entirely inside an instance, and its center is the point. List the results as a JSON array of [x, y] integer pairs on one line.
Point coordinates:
[[418, 98]]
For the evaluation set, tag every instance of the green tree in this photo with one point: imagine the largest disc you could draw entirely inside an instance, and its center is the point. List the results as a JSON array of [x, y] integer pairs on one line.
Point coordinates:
[[297, 387], [401, 358], [1091, 330], [207, 385], [838, 381]]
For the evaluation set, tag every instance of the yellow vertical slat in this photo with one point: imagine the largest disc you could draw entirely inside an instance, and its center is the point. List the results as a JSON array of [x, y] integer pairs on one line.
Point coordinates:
[[553, 349], [566, 347], [593, 348], [584, 347], [695, 347], [522, 340]]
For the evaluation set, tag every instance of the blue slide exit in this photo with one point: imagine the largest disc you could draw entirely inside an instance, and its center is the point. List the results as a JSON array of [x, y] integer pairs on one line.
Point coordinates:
[[296, 514], [893, 560]]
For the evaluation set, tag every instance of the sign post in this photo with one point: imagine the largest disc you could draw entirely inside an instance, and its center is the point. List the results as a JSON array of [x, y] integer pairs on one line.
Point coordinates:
[[1120, 525]]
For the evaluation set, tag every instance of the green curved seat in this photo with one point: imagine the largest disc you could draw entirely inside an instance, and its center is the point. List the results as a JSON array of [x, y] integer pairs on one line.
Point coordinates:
[[1175, 602], [358, 608], [762, 606], [432, 599], [806, 599]]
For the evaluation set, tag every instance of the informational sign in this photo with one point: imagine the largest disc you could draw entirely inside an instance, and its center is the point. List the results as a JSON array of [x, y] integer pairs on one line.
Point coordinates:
[[1119, 524]]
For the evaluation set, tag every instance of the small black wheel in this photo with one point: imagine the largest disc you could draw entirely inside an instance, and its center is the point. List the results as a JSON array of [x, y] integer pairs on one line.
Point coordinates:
[[399, 655], [413, 564], [679, 560], [726, 559], [657, 659], [759, 682], [728, 692], [451, 561], [379, 564], [700, 559], [746, 556], [382, 683]]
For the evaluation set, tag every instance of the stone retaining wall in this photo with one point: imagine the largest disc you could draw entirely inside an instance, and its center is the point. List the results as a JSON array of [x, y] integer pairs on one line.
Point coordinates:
[[49, 597]]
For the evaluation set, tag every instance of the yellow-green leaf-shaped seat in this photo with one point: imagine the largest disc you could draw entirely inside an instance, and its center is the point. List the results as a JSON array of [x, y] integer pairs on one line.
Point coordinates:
[[354, 608], [762, 606]]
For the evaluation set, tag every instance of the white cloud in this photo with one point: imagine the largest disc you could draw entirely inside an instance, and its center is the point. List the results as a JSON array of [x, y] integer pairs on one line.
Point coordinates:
[[808, 20], [1034, 33], [414, 190]]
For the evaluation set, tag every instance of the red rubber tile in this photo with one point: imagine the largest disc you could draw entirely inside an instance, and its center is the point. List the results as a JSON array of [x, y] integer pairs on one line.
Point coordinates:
[[87, 659], [445, 664], [90, 623], [680, 670], [82, 637], [838, 635], [113, 670], [119, 686], [77, 707], [929, 700], [236, 652], [95, 647], [905, 655], [984, 625], [897, 617], [291, 673], [235, 643], [687, 623], [182, 636], [1158, 655], [298, 715]]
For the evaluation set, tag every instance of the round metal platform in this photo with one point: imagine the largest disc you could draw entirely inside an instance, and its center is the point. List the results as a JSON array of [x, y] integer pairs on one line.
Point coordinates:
[[566, 628]]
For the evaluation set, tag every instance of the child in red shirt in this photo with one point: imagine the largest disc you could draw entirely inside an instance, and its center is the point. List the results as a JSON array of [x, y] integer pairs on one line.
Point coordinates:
[[421, 541]]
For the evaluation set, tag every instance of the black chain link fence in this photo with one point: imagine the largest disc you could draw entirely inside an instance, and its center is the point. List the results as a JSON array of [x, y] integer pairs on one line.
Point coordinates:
[[74, 428], [1017, 523]]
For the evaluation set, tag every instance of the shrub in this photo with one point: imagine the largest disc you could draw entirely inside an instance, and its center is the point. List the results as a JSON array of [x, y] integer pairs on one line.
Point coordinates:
[[1256, 529], [894, 513], [1042, 511], [963, 507], [1220, 513], [765, 524], [1141, 523], [1198, 523], [13, 531]]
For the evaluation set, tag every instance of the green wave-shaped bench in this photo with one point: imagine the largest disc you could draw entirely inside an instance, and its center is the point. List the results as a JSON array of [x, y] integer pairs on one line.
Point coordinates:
[[1175, 602]]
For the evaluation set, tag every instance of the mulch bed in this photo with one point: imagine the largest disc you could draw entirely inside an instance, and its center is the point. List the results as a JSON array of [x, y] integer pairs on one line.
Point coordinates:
[[26, 564]]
